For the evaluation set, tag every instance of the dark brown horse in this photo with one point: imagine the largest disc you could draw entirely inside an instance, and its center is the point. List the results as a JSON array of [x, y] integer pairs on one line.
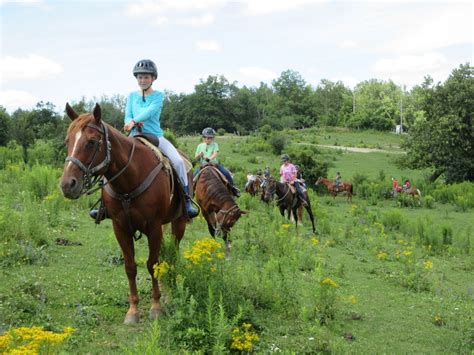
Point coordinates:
[[333, 190], [286, 200], [218, 207], [138, 192], [253, 185]]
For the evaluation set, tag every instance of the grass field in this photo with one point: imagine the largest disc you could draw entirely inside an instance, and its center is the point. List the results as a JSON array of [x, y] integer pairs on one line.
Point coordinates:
[[377, 277]]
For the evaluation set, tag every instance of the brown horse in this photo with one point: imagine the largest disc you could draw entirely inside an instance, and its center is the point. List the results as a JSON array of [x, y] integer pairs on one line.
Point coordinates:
[[138, 192], [253, 185], [214, 196], [331, 186], [287, 201]]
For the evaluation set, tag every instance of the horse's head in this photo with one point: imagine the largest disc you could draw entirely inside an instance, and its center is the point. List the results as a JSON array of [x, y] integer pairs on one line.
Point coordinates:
[[319, 181], [88, 150], [227, 218], [269, 190]]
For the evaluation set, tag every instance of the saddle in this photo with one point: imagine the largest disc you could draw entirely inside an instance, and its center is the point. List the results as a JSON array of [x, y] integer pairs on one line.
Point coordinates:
[[153, 142], [216, 172]]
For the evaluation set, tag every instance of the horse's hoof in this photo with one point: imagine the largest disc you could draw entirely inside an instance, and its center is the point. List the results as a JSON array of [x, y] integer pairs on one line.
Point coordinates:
[[131, 319], [155, 313]]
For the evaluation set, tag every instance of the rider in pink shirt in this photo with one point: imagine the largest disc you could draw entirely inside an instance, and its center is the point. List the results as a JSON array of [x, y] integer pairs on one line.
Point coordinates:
[[288, 173]]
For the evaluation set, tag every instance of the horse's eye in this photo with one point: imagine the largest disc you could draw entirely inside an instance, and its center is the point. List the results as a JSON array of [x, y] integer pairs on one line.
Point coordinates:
[[91, 143]]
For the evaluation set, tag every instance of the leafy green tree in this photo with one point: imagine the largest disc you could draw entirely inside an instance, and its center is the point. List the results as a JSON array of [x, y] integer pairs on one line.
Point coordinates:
[[443, 138], [5, 122], [331, 102], [293, 99], [377, 105]]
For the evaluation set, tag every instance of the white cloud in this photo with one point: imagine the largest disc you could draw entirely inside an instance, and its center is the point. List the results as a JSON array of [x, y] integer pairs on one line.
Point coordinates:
[[13, 99], [31, 67], [208, 46], [22, 2], [197, 21], [440, 27], [256, 74], [348, 44], [411, 69], [173, 9], [263, 7]]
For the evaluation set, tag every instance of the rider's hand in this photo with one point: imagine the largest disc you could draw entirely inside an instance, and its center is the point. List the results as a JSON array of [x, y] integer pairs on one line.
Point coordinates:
[[128, 127]]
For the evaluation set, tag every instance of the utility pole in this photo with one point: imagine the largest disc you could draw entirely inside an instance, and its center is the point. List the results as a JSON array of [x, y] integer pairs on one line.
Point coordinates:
[[401, 109], [353, 102]]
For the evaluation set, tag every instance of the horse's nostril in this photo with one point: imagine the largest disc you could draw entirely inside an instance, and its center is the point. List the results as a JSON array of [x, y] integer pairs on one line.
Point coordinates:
[[73, 183]]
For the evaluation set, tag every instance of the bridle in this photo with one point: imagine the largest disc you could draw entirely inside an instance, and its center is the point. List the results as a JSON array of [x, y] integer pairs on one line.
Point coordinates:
[[273, 191], [91, 174], [220, 226]]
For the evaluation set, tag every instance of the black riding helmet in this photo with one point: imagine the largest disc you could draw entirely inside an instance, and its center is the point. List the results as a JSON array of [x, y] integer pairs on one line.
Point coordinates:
[[285, 157], [145, 66]]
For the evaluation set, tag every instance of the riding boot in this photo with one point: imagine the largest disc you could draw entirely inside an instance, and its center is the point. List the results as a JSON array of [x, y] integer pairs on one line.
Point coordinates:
[[300, 194], [192, 212], [98, 214], [235, 190], [304, 203]]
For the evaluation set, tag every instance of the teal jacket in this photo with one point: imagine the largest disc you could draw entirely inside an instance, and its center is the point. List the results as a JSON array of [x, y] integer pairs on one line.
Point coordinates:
[[148, 112]]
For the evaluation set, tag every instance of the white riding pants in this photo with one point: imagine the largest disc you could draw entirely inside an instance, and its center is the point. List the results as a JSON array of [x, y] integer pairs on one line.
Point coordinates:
[[178, 164]]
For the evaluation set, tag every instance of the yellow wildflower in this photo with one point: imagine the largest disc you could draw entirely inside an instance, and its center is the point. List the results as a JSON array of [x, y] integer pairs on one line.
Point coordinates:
[[315, 241], [29, 340], [428, 264], [408, 253], [160, 270], [204, 250], [329, 282], [285, 226], [243, 338], [382, 255], [352, 299]]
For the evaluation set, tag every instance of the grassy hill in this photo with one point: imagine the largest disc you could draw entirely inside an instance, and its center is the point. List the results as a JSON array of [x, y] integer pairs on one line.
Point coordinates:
[[379, 275]]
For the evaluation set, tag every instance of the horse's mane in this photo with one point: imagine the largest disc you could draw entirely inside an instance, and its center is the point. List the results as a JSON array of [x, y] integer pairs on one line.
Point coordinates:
[[215, 188], [85, 118], [80, 122]]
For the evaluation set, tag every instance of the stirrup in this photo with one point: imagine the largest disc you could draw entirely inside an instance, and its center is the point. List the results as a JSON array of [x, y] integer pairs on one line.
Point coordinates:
[[97, 214]]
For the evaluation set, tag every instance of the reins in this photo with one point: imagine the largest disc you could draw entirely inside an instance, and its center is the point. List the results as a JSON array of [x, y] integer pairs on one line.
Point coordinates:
[[91, 179]]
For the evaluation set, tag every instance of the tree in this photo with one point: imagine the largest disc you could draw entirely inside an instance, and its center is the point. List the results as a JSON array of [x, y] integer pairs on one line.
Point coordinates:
[[377, 105], [293, 99], [4, 126], [332, 102], [443, 138]]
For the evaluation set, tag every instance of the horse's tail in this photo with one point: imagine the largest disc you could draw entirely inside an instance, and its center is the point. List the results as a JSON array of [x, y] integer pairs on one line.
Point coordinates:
[[352, 192]]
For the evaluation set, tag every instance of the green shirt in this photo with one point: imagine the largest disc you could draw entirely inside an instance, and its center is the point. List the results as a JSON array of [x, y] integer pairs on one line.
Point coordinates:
[[208, 150]]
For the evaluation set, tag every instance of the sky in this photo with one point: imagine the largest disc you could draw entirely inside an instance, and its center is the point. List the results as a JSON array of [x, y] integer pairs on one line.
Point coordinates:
[[62, 51]]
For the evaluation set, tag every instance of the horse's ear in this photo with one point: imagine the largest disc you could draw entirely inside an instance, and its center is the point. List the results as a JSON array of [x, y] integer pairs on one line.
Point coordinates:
[[97, 113], [70, 112]]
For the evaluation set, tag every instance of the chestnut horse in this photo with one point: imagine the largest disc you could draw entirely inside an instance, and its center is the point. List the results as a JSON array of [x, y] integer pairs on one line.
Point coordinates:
[[138, 192], [216, 202], [287, 201], [331, 186]]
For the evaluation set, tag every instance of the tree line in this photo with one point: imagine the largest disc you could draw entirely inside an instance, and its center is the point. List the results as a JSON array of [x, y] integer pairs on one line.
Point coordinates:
[[437, 117]]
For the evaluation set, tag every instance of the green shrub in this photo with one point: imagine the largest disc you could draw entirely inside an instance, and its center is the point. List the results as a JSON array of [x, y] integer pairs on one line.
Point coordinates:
[[278, 143], [428, 201]]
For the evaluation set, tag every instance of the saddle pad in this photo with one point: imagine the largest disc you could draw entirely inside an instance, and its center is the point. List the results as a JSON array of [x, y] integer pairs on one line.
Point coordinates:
[[164, 158]]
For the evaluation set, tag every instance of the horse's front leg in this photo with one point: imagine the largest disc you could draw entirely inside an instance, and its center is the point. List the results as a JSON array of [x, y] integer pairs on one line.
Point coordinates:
[[125, 240], [155, 237]]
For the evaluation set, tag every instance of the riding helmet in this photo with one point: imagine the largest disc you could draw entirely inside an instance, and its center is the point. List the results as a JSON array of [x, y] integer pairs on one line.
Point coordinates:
[[208, 132], [145, 66], [285, 157]]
